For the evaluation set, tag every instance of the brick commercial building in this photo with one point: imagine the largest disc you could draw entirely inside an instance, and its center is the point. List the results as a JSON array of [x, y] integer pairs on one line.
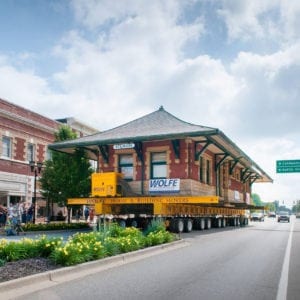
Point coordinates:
[[24, 137], [203, 160]]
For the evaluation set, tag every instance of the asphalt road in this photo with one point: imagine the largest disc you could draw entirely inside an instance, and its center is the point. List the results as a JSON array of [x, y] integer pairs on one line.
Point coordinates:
[[260, 261]]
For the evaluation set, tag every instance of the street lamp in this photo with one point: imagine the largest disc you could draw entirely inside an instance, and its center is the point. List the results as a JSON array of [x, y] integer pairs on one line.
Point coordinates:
[[36, 168]]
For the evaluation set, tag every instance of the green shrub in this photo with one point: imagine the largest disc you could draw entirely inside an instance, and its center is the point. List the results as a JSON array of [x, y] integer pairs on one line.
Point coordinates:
[[27, 248], [155, 226], [2, 262], [45, 246], [111, 246], [54, 226], [159, 237], [83, 247], [78, 251]]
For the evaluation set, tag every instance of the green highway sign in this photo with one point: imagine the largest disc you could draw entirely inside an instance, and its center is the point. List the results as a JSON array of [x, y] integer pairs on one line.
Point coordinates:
[[288, 166]]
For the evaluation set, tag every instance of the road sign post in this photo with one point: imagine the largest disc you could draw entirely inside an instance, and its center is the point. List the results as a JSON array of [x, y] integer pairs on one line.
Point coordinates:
[[288, 166]]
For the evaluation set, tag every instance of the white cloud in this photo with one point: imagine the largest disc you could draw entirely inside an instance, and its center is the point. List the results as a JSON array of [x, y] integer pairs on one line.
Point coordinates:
[[28, 90], [244, 18], [96, 13], [127, 59], [266, 152], [271, 92], [274, 20], [129, 63]]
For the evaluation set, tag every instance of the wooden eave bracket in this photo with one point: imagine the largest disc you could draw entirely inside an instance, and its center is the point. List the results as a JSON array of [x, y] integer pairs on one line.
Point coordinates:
[[104, 152], [253, 179], [176, 148], [138, 147], [225, 155], [204, 144], [247, 174], [232, 165], [95, 152]]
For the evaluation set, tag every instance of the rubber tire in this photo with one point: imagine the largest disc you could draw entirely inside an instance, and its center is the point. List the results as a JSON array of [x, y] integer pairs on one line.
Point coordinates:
[[179, 225], [208, 223], [235, 222], [196, 224], [134, 223], [224, 222], [172, 225], [122, 223], [188, 225], [202, 224]]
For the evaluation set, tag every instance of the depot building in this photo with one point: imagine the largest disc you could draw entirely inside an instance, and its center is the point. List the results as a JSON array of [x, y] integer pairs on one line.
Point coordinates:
[[161, 154]]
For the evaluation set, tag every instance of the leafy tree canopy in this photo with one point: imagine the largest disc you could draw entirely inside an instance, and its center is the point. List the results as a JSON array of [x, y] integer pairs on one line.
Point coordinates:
[[256, 200], [65, 175]]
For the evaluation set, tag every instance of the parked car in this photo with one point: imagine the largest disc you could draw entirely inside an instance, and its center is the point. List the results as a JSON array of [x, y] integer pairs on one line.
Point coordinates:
[[283, 216], [297, 214], [257, 217]]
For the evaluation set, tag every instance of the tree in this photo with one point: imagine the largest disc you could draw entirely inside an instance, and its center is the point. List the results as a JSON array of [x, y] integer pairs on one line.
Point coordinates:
[[256, 200], [66, 175], [270, 206], [276, 204]]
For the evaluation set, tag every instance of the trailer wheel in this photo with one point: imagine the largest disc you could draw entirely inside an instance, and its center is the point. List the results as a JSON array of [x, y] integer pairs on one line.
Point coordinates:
[[235, 222], [188, 225], [224, 222], [199, 224], [134, 223], [208, 223], [179, 225], [122, 223], [172, 225], [202, 224], [217, 223], [196, 224]]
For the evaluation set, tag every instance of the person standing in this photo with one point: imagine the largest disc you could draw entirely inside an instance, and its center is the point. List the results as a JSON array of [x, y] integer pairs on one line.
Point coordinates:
[[9, 226], [86, 213], [10, 210], [29, 213]]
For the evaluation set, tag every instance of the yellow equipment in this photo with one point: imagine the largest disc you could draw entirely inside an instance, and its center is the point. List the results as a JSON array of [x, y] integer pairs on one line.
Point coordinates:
[[180, 212]]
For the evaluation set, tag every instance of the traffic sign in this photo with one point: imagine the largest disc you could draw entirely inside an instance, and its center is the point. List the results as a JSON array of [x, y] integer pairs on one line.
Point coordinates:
[[288, 166]]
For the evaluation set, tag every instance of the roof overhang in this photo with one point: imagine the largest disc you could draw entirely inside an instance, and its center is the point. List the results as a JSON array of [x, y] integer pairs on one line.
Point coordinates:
[[159, 126]]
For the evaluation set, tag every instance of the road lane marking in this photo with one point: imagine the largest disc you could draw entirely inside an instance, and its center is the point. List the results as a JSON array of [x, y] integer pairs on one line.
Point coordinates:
[[284, 277]]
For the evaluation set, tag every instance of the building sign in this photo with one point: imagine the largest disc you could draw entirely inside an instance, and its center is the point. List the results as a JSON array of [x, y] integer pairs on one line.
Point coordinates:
[[288, 166], [171, 185], [123, 146]]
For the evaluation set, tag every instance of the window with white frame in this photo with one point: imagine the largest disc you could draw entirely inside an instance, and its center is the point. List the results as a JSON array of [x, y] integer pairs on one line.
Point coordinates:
[[30, 152], [159, 165], [6, 147], [48, 154], [126, 166]]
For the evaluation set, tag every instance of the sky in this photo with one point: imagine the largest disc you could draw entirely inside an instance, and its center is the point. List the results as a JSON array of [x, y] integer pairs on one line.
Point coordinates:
[[228, 64]]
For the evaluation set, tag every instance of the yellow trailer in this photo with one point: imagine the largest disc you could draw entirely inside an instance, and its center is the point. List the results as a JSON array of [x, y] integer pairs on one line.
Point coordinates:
[[181, 213]]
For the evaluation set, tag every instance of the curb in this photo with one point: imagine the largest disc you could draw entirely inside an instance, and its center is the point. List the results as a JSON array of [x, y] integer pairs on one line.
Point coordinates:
[[19, 286]]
